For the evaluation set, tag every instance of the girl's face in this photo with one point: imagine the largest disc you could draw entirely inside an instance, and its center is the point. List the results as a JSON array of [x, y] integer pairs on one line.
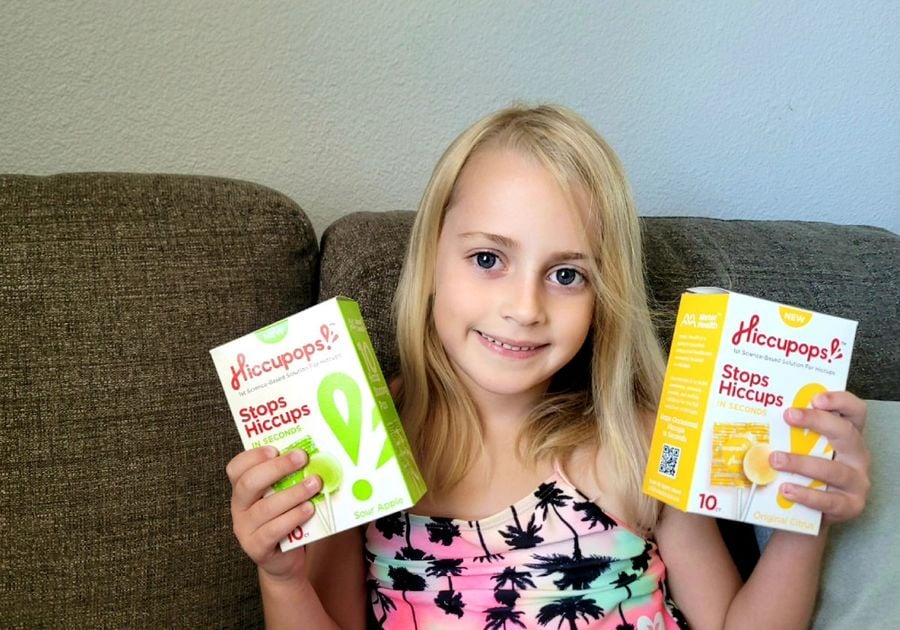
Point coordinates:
[[512, 303]]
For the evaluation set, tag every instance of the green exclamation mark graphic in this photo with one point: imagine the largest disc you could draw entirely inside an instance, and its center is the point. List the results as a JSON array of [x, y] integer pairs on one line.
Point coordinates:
[[348, 431], [387, 451]]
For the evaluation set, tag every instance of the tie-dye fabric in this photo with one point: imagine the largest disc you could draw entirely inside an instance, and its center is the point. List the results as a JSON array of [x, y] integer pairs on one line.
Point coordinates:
[[554, 559]]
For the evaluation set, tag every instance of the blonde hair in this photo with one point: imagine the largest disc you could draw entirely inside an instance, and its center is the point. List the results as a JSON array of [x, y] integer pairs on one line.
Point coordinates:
[[614, 405]]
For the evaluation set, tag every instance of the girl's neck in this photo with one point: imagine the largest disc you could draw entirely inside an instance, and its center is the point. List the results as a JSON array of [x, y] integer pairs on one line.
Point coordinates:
[[504, 413]]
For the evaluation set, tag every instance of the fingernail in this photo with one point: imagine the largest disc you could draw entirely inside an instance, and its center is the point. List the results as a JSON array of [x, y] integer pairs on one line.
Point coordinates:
[[270, 451], [297, 457], [787, 489], [820, 400], [794, 414], [307, 508], [311, 482], [778, 459]]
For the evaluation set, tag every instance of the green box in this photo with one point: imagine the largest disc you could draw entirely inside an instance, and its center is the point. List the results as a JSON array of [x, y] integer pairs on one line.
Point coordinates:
[[312, 381]]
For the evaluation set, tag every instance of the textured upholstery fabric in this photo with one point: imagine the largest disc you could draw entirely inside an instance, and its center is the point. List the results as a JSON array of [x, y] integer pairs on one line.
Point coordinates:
[[861, 571], [115, 430], [848, 271], [113, 288], [842, 270], [361, 258]]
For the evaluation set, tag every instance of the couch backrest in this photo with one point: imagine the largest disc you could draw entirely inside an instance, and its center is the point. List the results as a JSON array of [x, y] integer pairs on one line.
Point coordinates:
[[113, 497], [848, 271], [113, 288]]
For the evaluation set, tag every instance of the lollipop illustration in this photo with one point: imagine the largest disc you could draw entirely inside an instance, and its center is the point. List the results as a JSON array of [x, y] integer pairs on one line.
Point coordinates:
[[330, 472], [296, 477], [757, 470], [731, 440]]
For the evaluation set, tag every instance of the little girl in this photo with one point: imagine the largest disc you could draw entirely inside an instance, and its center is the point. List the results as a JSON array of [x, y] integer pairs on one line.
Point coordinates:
[[530, 373]]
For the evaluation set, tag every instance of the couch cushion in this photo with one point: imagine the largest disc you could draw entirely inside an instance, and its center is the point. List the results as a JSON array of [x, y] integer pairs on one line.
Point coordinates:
[[858, 575], [361, 258], [843, 270], [114, 287], [848, 271]]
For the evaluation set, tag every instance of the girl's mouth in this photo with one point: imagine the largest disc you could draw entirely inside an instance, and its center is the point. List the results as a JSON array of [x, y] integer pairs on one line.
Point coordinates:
[[509, 346]]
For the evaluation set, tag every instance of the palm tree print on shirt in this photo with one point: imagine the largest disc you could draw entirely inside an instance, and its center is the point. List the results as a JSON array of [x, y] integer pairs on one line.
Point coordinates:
[[576, 571], [569, 609], [379, 599], [624, 580], [551, 497], [488, 556], [448, 600], [391, 525], [498, 616], [408, 552], [509, 582], [442, 530], [402, 580], [642, 562], [518, 538], [574, 535], [510, 577], [593, 514], [624, 625]]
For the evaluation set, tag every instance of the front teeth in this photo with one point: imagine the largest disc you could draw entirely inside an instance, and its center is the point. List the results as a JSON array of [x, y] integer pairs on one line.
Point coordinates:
[[506, 345]]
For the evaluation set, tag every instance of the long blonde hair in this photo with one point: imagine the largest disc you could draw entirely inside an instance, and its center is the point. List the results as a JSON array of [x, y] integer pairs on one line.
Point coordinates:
[[614, 404]]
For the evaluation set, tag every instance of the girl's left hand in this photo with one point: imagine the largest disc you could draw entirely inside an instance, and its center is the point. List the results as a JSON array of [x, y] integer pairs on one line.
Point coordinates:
[[840, 417]]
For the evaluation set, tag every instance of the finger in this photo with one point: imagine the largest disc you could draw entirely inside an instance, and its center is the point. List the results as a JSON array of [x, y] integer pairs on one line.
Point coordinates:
[[256, 481], [835, 505], [278, 503], [834, 473], [839, 431], [272, 532], [267, 536], [245, 460], [846, 404]]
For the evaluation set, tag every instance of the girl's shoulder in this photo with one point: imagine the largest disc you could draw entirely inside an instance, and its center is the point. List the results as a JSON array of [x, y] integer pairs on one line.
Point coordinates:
[[590, 470]]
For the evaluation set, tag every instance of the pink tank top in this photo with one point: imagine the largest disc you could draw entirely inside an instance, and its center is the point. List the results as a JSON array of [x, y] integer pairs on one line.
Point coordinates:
[[553, 559]]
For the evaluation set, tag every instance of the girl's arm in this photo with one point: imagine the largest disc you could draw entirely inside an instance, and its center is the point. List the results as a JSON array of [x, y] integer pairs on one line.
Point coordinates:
[[782, 589], [288, 580], [337, 570], [331, 595], [705, 584]]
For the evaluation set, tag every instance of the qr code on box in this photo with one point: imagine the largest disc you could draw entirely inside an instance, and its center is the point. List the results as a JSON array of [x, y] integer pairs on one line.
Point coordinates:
[[668, 462]]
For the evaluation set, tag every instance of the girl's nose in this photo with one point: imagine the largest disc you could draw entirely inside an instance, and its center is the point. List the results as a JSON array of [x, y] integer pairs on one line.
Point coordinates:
[[523, 301]]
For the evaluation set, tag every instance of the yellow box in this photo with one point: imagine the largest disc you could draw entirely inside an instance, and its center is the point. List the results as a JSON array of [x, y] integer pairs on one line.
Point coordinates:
[[735, 364]]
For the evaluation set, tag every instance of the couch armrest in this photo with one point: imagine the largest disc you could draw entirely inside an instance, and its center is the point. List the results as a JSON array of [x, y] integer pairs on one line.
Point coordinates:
[[115, 431]]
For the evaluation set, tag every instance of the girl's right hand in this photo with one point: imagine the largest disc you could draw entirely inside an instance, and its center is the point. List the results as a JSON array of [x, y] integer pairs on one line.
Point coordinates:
[[261, 518]]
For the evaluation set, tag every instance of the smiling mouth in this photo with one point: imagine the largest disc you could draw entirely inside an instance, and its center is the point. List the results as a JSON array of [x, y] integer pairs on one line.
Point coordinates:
[[507, 346]]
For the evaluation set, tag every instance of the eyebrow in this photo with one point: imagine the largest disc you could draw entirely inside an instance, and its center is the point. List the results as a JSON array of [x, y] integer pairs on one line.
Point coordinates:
[[509, 243]]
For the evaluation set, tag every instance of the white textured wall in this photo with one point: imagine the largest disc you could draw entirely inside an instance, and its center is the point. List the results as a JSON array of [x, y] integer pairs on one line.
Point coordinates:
[[725, 109]]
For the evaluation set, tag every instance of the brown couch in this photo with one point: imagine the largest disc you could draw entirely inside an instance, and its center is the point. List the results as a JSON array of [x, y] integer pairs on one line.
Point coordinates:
[[115, 431]]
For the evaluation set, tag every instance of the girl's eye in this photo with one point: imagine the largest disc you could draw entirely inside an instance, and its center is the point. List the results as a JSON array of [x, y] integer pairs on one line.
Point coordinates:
[[567, 276], [486, 260]]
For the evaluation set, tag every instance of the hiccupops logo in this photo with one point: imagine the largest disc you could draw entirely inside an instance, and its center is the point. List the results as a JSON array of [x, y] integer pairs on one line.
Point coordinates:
[[748, 332], [242, 372]]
